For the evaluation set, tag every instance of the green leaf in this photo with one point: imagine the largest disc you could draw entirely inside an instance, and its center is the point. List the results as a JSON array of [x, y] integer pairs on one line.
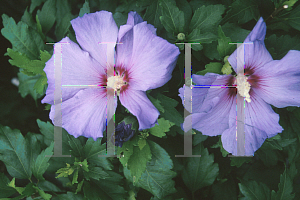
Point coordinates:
[[242, 11], [20, 190], [65, 172], [207, 17], [95, 173], [5, 191], [13, 152], [39, 86], [91, 151], [156, 103], [125, 151], [138, 161], [213, 67], [63, 18], [23, 38], [75, 177], [152, 14], [142, 143], [85, 9], [196, 36], [110, 189], [35, 3], [157, 178], [200, 171], [75, 145], [26, 85], [239, 161], [43, 194], [224, 48], [29, 190], [210, 51], [219, 145], [255, 191], [120, 18], [279, 46], [47, 15], [27, 18], [162, 128], [79, 186], [235, 32], [198, 137], [41, 163], [286, 184], [225, 190], [172, 18], [290, 4]]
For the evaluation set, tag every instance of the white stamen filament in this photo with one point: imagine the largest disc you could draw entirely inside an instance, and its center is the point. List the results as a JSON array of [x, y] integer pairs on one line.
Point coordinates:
[[243, 86]]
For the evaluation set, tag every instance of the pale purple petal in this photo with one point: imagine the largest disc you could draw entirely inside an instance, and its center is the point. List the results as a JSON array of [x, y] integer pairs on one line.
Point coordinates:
[[198, 94], [85, 113], [279, 81], [261, 122], [152, 59], [134, 19], [140, 106], [93, 28], [213, 117], [256, 54], [78, 68]]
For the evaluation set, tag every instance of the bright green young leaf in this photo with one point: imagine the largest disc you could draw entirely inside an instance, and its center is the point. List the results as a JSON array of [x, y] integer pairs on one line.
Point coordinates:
[[47, 15], [255, 190], [5, 190], [39, 86], [138, 161], [91, 151], [153, 12], [207, 17], [200, 171], [79, 186], [95, 173], [65, 172], [172, 18], [75, 177], [224, 48], [43, 194], [157, 178], [20, 190], [213, 67], [242, 11], [109, 189], [41, 163], [162, 128], [142, 143], [13, 152], [23, 38], [85, 9]]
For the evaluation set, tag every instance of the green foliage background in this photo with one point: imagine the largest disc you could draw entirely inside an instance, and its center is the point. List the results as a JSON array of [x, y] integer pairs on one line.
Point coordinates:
[[146, 166]]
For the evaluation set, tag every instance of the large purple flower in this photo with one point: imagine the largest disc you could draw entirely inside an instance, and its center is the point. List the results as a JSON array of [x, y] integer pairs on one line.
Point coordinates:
[[265, 81], [143, 61]]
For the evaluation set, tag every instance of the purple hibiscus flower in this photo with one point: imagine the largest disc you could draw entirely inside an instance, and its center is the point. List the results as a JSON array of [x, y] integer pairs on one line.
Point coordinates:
[[265, 81], [143, 61]]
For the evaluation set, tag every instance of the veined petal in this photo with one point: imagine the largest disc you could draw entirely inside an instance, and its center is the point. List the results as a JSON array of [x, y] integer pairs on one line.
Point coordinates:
[[152, 60], [85, 113], [95, 28], [140, 106], [256, 54], [198, 93], [279, 81], [261, 122], [213, 117], [78, 68]]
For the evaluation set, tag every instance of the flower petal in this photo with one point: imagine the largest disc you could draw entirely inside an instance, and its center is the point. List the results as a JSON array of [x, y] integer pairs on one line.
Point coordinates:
[[198, 94], [256, 54], [261, 122], [93, 28], [78, 68], [140, 106], [152, 60], [279, 81], [85, 113], [213, 117]]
